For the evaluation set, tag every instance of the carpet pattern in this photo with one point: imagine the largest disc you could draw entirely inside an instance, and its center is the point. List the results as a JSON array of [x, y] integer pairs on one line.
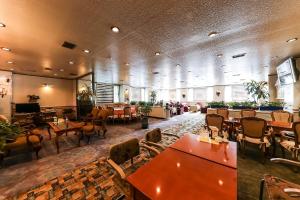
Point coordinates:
[[23, 172]]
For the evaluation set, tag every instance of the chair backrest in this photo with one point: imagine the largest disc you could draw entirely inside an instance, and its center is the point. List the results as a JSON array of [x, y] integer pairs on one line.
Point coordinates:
[[94, 112], [127, 111], [214, 120], [211, 111], [153, 135], [124, 151], [110, 111], [296, 128], [103, 114], [253, 127], [248, 113], [281, 116], [223, 112]]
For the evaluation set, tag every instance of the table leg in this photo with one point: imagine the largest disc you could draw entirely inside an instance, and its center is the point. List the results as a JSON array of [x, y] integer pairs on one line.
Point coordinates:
[[274, 145], [49, 132], [57, 143], [80, 136]]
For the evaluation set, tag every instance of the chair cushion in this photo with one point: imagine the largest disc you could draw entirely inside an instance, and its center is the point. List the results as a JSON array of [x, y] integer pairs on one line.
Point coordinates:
[[254, 140], [154, 135], [288, 144], [88, 128], [21, 142], [124, 151]]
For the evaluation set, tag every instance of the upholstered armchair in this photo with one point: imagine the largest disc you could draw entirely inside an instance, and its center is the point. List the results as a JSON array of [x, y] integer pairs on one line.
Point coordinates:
[[277, 188], [128, 156], [253, 131], [155, 138], [91, 115], [28, 141], [291, 142]]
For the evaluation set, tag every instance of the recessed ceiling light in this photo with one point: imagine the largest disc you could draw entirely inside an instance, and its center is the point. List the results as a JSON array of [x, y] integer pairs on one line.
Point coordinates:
[[10, 62], [86, 51], [177, 65], [157, 53], [213, 34], [292, 40], [2, 25], [71, 62], [5, 49], [55, 74], [12, 69], [219, 55], [61, 70], [115, 29], [127, 64]]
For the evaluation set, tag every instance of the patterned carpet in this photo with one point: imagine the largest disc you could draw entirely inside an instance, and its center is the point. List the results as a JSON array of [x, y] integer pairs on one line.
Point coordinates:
[[87, 176], [24, 172]]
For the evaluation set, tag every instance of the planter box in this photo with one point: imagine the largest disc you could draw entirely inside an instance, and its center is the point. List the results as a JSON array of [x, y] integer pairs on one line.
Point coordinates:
[[271, 108], [218, 106], [242, 107]]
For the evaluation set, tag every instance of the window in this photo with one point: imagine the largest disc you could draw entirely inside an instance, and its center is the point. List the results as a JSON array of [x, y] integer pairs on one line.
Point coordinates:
[[178, 95], [210, 94], [143, 94], [239, 93], [228, 93], [190, 96], [199, 94], [116, 93]]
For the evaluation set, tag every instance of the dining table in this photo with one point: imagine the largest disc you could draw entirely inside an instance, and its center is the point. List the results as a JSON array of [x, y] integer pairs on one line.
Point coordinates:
[[178, 173]]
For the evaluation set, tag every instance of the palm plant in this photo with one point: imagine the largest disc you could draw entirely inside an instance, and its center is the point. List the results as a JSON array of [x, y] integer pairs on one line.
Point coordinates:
[[153, 96], [7, 132], [257, 90]]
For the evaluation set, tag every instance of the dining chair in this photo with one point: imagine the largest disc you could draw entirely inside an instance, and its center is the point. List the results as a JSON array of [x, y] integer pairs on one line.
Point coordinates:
[[277, 188], [214, 122], [126, 114], [223, 112], [281, 116], [211, 111], [290, 142], [128, 156], [111, 114], [248, 113], [155, 138], [253, 131]]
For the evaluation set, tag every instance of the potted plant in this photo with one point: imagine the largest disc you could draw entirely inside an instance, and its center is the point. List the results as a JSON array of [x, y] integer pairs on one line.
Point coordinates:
[[145, 109], [33, 98], [241, 105], [217, 104], [257, 90], [272, 106], [133, 103], [153, 96], [85, 100], [8, 133]]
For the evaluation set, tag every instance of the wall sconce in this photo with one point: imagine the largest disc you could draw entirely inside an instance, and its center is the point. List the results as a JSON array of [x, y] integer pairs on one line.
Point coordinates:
[[3, 92]]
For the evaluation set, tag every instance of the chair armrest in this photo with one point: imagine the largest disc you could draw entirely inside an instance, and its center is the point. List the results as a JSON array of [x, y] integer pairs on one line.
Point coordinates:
[[155, 145], [285, 161], [169, 134], [155, 151], [116, 167]]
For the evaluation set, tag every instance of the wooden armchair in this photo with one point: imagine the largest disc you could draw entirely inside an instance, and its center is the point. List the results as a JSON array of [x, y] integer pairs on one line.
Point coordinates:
[[277, 188], [253, 131], [214, 122], [248, 113], [127, 114], [29, 141], [91, 115], [130, 150], [291, 142], [281, 116], [155, 138]]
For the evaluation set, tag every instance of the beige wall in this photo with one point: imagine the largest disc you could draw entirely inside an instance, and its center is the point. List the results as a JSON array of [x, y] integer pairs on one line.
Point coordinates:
[[60, 92], [5, 102]]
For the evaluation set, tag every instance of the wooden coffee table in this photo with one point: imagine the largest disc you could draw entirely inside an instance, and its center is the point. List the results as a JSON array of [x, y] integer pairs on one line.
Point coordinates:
[[178, 175], [64, 127]]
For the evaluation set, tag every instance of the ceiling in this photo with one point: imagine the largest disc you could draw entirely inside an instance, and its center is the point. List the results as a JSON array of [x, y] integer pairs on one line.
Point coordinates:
[[35, 31]]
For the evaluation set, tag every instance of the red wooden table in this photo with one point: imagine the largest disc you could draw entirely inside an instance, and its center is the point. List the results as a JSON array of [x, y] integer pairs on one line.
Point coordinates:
[[175, 174], [222, 153]]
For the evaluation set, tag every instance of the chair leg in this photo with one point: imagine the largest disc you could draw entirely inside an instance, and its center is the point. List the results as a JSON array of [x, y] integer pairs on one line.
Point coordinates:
[[282, 151], [1, 160], [261, 191], [263, 150]]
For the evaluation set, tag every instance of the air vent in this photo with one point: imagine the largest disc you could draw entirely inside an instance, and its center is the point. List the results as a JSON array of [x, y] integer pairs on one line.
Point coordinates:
[[68, 45], [239, 55], [155, 72], [48, 68], [73, 74]]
